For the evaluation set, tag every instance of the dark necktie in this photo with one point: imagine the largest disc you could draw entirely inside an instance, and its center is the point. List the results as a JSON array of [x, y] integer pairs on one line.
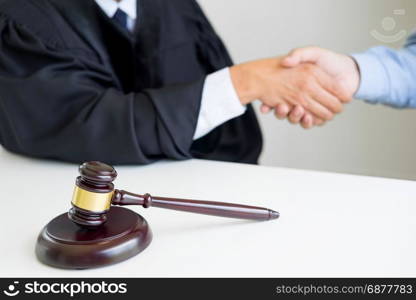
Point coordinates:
[[121, 18]]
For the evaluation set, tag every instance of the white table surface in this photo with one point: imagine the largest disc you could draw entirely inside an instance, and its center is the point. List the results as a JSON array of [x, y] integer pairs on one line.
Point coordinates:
[[330, 225]]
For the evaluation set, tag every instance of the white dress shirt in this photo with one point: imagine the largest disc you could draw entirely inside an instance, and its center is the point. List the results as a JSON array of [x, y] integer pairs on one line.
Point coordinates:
[[219, 102]]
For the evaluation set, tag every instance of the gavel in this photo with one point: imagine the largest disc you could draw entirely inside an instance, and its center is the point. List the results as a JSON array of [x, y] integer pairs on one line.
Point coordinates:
[[95, 234], [95, 193]]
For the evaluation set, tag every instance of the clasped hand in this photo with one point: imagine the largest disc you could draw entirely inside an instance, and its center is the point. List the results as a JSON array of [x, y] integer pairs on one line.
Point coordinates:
[[308, 86]]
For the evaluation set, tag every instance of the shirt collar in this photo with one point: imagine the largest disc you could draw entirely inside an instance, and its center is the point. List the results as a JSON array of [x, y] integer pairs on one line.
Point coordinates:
[[110, 7]]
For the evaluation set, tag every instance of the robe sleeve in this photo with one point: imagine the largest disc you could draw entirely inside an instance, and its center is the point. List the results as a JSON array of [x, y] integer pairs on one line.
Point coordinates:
[[52, 105]]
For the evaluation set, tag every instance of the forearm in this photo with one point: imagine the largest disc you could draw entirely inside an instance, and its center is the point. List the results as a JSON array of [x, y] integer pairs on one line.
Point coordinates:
[[78, 122], [388, 76]]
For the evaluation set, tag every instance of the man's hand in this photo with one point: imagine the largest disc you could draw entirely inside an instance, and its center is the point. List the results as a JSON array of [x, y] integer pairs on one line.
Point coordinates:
[[341, 68], [305, 87]]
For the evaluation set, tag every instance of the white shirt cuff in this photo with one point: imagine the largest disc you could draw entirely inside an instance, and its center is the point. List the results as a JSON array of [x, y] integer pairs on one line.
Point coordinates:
[[219, 104]]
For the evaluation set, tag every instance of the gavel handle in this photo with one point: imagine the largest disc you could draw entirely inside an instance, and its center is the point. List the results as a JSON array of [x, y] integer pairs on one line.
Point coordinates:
[[221, 209]]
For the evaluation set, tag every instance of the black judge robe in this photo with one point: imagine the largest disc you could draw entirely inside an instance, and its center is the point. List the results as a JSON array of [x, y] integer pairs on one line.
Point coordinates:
[[76, 87]]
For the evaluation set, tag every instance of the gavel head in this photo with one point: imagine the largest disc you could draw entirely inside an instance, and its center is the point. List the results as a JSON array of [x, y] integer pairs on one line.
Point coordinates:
[[93, 194]]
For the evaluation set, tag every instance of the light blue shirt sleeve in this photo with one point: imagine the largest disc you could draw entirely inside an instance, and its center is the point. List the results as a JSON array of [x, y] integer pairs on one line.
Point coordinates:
[[388, 76]]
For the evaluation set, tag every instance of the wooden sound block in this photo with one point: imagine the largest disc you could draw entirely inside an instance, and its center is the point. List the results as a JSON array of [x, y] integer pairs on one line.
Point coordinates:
[[64, 244]]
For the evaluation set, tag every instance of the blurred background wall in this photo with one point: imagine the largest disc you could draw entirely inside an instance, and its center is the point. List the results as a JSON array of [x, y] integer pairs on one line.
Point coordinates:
[[365, 139]]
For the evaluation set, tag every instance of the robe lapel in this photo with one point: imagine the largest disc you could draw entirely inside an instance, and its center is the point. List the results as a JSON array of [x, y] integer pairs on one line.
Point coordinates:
[[82, 16]]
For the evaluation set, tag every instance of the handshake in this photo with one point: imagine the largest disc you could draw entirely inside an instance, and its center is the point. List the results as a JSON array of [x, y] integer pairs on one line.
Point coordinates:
[[309, 86]]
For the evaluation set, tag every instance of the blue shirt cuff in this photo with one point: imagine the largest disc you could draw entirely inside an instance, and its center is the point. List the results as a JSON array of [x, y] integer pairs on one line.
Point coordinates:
[[373, 78]]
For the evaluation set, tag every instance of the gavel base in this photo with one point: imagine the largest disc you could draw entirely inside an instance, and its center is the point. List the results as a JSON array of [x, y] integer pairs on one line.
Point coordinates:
[[64, 244]]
